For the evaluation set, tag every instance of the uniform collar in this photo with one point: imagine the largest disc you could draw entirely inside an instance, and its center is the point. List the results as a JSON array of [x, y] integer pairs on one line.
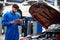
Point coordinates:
[[12, 13]]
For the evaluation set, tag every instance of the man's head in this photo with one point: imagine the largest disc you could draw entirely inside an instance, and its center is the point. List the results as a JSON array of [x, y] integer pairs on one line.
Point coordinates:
[[15, 7]]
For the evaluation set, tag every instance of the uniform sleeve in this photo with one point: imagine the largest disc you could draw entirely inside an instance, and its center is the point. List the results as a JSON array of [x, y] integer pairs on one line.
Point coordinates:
[[5, 21]]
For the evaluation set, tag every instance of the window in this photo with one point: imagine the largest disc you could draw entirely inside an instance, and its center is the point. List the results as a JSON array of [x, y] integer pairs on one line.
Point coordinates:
[[58, 3], [50, 2], [19, 1]]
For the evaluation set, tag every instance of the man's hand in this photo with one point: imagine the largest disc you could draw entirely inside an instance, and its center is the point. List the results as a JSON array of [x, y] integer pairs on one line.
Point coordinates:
[[16, 21], [12, 22]]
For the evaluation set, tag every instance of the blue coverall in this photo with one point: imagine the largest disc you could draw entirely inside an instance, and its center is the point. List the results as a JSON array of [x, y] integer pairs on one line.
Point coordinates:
[[12, 29]]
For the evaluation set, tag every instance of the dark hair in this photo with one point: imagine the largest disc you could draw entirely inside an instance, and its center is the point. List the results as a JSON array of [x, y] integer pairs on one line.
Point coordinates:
[[19, 11], [15, 6]]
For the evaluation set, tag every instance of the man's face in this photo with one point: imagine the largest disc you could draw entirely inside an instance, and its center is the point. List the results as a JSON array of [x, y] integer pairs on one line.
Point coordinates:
[[14, 9]]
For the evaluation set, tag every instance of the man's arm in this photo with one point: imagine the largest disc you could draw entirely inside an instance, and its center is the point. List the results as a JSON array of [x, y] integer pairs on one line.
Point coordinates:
[[5, 21]]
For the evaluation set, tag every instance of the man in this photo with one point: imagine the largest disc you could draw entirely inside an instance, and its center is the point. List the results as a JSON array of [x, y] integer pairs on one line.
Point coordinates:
[[11, 19]]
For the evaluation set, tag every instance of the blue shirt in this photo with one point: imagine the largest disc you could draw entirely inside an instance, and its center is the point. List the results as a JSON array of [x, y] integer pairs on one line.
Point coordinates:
[[12, 29]]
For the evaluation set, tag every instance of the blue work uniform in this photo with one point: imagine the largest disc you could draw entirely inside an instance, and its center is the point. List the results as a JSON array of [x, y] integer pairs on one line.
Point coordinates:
[[12, 29]]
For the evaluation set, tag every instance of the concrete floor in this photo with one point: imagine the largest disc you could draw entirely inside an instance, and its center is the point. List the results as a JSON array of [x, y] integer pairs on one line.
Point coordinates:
[[2, 37]]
